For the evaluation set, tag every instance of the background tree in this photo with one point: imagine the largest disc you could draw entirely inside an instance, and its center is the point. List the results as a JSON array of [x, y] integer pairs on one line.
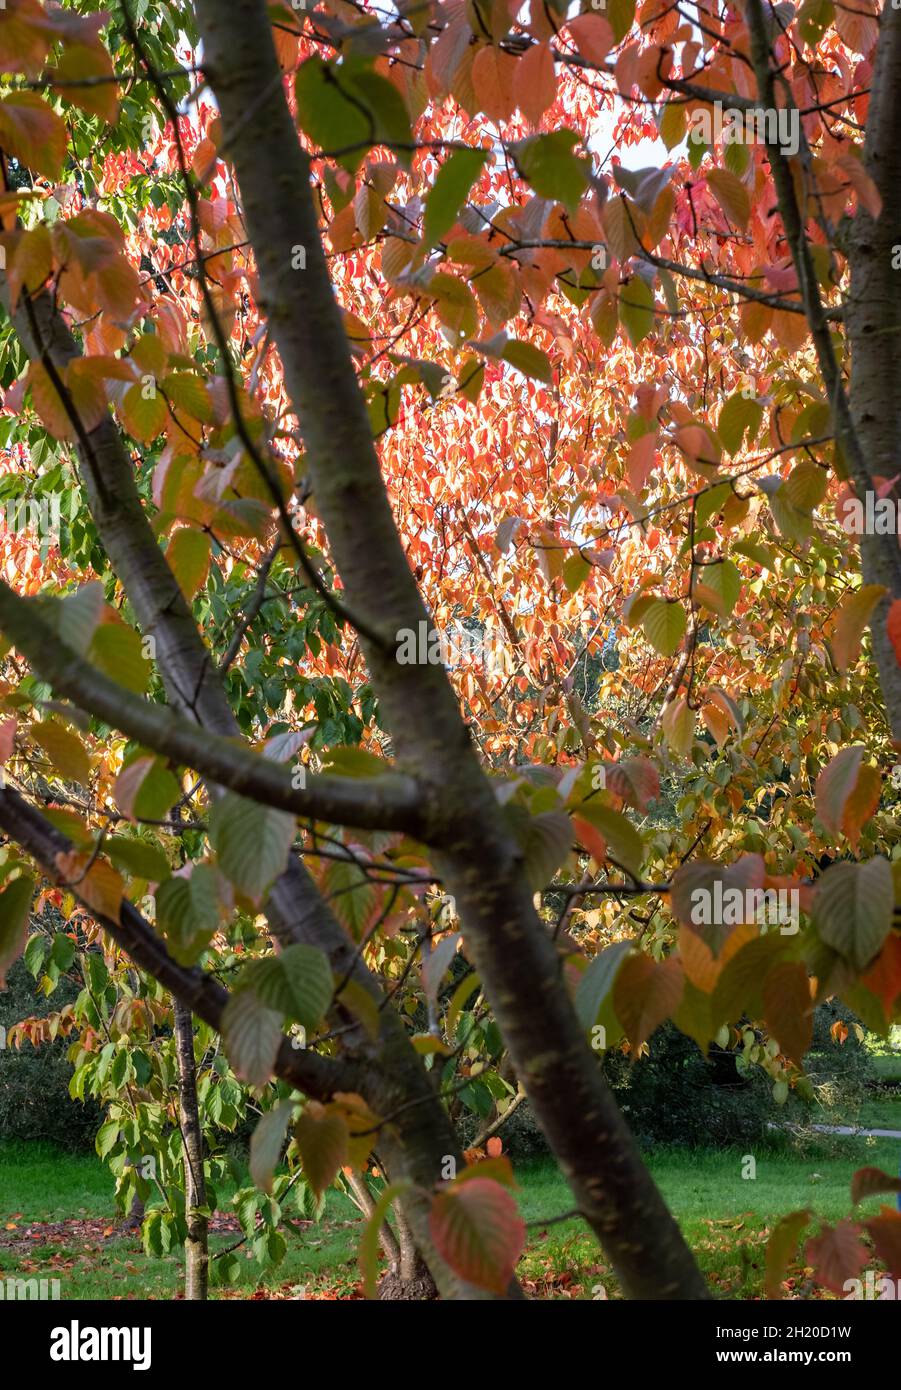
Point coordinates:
[[597, 421]]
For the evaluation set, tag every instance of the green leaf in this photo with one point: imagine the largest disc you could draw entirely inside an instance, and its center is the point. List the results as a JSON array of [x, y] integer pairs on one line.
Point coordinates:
[[62, 951], [107, 1136], [529, 359], [678, 725], [740, 415], [636, 309], [119, 652], [252, 842], [345, 761], [853, 909], [308, 975], [805, 487], [187, 912], [814, 18], [326, 112], [664, 622], [78, 614], [146, 789], [548, 163], [138, 858], [353, 897], [710, 502], [252, 1035], [15, 901], [477, 1228], [718, 586], [596, 985], [545, 841], [575, 571], [448, 193], [792, 523], [144, 414], [388, 110], [781, 1246], [760, 554], [65, 750], [624, 843], [266, 1144], [620, 15], [36, 953], [344, 105]]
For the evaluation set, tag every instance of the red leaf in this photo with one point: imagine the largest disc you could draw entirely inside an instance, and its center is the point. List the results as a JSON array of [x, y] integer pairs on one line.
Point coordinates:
[[477, 1228], [837, 1255], [885, 1230], [868, 1181]]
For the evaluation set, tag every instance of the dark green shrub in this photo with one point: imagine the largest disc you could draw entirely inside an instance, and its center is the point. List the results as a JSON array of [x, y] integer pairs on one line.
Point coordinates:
[[676, 1096], [34, 1082]]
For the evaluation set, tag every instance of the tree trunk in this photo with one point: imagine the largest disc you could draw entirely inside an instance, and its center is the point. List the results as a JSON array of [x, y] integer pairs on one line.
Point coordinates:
[[409, 1279], [476, 853], [196, 1243], [408, 1275]]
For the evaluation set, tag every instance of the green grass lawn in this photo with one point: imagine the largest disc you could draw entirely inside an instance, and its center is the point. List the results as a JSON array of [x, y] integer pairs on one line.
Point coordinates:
[[881, 1111], [725, 1218], [887, 1068]]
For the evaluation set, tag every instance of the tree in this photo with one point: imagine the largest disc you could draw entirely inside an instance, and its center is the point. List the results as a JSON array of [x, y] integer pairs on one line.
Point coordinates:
[[546, 473]]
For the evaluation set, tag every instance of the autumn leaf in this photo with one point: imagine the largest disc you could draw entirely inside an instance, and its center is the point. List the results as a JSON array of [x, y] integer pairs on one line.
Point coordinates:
[[477, 1229], [781, 1247], [32, 131], [837, 1255], [732, 196], [645, 994], [852, 616], [847, 793], [788, 1008]]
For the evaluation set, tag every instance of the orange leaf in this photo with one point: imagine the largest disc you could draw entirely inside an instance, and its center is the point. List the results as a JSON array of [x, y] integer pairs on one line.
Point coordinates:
[[535, 82], [99, 887], [78, 62], [852, 616], [33, 132], [493, 73], [646, 993], [884, 976], [593, 36], [868, 194]]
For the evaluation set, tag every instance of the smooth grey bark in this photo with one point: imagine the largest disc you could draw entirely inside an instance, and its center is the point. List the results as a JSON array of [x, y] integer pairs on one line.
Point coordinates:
[[197, 1256], [865, 419], [477, 855], [873, 319]]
